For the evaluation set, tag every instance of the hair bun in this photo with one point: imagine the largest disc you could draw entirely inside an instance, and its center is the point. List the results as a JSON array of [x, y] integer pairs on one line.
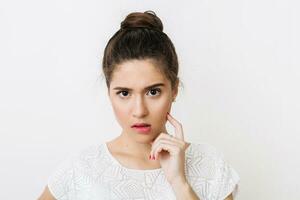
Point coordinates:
[[147, 19]]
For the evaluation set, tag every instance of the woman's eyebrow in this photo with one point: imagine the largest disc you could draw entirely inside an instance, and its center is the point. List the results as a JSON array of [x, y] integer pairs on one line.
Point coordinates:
[[146, 88]]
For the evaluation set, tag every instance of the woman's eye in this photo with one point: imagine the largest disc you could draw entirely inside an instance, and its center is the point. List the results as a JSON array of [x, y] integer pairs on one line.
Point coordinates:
[[124, 93], [153, 92]]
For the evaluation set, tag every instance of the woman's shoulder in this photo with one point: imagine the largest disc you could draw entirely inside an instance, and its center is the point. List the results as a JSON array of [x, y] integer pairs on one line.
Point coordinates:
[[87, 155], [207, 166], [85, 162], [205, 156], [203, 149], [82, 159], [92, 150]]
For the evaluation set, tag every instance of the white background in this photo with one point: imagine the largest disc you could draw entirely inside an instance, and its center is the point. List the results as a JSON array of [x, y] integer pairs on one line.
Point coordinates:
[[239, 63]]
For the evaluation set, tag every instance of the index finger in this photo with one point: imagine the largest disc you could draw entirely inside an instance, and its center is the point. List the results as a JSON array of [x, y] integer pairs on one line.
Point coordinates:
[[177, 125]]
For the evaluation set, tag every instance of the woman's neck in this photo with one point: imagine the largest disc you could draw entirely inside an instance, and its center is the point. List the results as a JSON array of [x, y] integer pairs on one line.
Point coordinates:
[[125, 144]]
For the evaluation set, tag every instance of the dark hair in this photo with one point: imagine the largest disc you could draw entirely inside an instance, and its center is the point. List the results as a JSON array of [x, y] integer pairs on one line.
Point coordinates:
[[141, 36]]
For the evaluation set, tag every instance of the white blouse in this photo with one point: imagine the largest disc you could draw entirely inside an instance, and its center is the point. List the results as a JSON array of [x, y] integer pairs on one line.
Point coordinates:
[[94, 174]]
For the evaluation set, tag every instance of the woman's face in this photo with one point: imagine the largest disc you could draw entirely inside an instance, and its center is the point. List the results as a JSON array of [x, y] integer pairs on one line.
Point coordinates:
[[140, 93]]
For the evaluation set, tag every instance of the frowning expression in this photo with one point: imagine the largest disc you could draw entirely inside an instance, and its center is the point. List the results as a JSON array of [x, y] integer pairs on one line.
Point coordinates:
[[140, 93]]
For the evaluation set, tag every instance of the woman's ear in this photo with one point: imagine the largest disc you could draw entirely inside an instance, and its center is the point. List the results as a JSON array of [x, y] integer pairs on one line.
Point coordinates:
[[175, 90]]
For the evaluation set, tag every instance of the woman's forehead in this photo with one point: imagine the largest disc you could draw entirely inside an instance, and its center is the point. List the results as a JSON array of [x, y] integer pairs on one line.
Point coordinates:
[[137, 73], [138, 66]]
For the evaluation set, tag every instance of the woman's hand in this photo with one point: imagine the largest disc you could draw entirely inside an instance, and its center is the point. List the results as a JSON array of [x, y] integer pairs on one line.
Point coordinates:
[[170, 151]]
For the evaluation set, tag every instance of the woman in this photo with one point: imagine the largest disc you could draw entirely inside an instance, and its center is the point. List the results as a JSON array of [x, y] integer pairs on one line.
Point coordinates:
[[145, 162]]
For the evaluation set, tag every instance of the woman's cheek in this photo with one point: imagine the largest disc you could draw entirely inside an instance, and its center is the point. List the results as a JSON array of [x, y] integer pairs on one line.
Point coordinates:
[[162, 109], [120, 114]]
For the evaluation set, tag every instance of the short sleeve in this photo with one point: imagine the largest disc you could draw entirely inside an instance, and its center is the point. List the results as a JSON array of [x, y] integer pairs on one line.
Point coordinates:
[[60, 182], [227, 179], [211, 177]]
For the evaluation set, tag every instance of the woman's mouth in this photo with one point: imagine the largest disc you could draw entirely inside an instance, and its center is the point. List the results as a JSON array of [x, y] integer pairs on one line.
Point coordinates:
[[142, 128]]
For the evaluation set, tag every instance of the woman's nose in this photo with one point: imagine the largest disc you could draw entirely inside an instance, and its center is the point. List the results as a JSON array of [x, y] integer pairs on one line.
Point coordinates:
[[140, 108]]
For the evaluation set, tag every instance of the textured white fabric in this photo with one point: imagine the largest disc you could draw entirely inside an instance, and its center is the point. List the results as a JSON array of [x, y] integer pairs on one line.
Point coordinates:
[[94, 174]]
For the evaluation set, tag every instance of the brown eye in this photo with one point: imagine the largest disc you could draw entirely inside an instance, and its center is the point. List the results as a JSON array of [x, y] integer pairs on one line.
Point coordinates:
[[123, 92], [153, 92]]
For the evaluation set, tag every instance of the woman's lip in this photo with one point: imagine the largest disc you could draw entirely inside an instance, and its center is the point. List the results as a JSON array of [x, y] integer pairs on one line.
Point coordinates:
[[140, 125], [142, 129]]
